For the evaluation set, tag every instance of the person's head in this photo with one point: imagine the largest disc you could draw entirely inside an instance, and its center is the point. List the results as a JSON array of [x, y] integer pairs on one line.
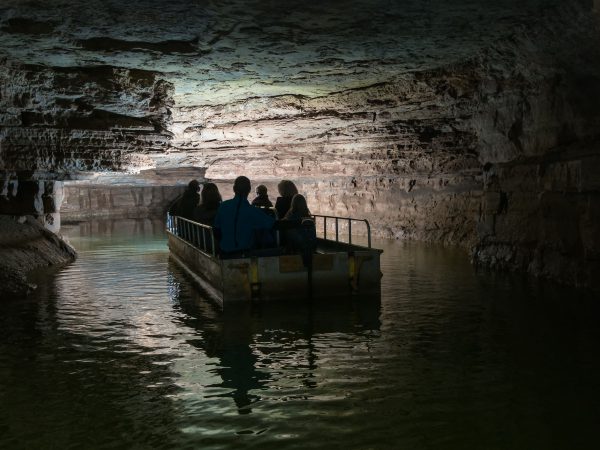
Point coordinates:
[[241, 186], [298, 207], [287, 188], [211, 197], [193, 186], [261, 189]]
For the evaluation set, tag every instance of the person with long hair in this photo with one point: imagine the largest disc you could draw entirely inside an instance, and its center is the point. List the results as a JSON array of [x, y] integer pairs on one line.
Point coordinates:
[[184, 205], [287, 189], [302, 237], [298, 209], [211, 198]]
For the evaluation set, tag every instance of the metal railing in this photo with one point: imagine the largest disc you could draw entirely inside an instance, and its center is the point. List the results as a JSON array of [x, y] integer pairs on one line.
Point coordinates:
[[197, 234], [336, 227]]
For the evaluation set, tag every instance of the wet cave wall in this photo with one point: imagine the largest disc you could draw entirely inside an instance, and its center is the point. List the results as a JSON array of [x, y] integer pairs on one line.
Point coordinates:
[[472, 124]]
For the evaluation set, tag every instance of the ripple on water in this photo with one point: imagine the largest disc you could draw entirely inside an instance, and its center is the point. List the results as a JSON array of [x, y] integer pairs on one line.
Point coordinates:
[[119, 350]]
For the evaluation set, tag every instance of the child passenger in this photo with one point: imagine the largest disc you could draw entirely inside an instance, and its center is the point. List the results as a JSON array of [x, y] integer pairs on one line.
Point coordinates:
[[262, 198]]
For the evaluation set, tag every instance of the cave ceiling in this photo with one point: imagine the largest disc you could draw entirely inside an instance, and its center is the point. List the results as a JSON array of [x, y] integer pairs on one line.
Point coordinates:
[[218, 52], [143, 84]]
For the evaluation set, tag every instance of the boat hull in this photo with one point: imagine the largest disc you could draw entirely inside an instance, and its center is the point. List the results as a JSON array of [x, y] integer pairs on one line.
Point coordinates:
[[335, 272]]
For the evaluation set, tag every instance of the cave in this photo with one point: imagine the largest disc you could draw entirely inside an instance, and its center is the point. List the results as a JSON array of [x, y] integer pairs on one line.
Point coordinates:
[[469, 127]]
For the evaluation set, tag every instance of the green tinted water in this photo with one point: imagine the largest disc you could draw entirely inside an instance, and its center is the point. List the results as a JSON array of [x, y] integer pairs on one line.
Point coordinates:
[[119, 350]]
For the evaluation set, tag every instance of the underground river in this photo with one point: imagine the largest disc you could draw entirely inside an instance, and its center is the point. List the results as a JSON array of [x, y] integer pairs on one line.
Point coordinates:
[[120, 350]]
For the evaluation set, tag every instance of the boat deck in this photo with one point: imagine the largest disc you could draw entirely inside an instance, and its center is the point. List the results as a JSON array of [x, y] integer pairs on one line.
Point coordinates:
[[337, 269]]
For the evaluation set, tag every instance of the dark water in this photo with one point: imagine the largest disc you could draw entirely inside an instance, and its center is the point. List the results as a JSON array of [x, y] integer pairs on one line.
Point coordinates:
[[118, 350]]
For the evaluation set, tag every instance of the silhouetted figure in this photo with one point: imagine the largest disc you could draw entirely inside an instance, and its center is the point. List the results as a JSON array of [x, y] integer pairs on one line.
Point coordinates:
[[206, 211], [298, 209], [237, 222], [302, 238], [186, 203], [262, 198], [287, 189]]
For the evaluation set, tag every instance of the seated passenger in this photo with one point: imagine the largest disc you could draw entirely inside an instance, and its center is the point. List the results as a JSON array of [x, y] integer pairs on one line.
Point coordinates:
[[206, 211], [262, 198], [237, 222], [184, 204], [287, 189], [298, 209], [302, 238]]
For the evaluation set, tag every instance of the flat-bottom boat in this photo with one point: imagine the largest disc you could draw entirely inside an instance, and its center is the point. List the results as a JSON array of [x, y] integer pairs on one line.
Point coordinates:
[[337, 268]]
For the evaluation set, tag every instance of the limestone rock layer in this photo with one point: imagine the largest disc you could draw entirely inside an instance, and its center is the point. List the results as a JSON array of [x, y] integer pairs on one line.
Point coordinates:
[[25, 245], [471, 122]]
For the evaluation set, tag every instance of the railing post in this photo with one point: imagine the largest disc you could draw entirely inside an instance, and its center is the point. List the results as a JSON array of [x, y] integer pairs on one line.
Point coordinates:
[[337, 230], [212, 241], [203, 238], [324, 227], [349, 231]]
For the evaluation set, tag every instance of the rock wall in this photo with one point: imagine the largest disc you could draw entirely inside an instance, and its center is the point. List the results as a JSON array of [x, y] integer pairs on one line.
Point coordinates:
[[540, 151], [542, 216], [56, 121], [85, 202], [500, 153], [474, 125], [25, 245]]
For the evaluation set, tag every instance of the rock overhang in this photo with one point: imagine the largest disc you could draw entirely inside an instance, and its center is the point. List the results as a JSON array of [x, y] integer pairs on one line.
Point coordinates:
[[220, 52]]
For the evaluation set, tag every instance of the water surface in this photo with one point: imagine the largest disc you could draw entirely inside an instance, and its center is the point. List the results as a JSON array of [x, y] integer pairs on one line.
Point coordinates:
[[120, 350]]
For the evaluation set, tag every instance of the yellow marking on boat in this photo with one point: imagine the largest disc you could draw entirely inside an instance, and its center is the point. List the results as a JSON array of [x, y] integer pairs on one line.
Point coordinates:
[[254, 271], [290, 263], [253, 275], [352, 272]]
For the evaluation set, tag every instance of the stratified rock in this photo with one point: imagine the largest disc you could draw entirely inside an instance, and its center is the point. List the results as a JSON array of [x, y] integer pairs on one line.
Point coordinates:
[[26, 245], [472, 124], [85, 202]]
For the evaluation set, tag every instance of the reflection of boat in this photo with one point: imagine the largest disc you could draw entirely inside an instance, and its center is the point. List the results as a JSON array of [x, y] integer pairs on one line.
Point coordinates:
[[259, 346], [336, 267]]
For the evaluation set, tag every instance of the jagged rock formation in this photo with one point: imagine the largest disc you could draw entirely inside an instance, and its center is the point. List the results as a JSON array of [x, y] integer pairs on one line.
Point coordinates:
[[60, 120], [473, 124], [26, 245]]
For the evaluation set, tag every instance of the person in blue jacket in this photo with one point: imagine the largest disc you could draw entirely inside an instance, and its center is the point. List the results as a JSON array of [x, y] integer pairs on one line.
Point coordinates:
[[237, 221]]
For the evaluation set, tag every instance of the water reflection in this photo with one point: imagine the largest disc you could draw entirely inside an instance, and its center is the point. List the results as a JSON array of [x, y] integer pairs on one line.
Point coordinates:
[[248, 337], [61, 384], [120, 350]]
